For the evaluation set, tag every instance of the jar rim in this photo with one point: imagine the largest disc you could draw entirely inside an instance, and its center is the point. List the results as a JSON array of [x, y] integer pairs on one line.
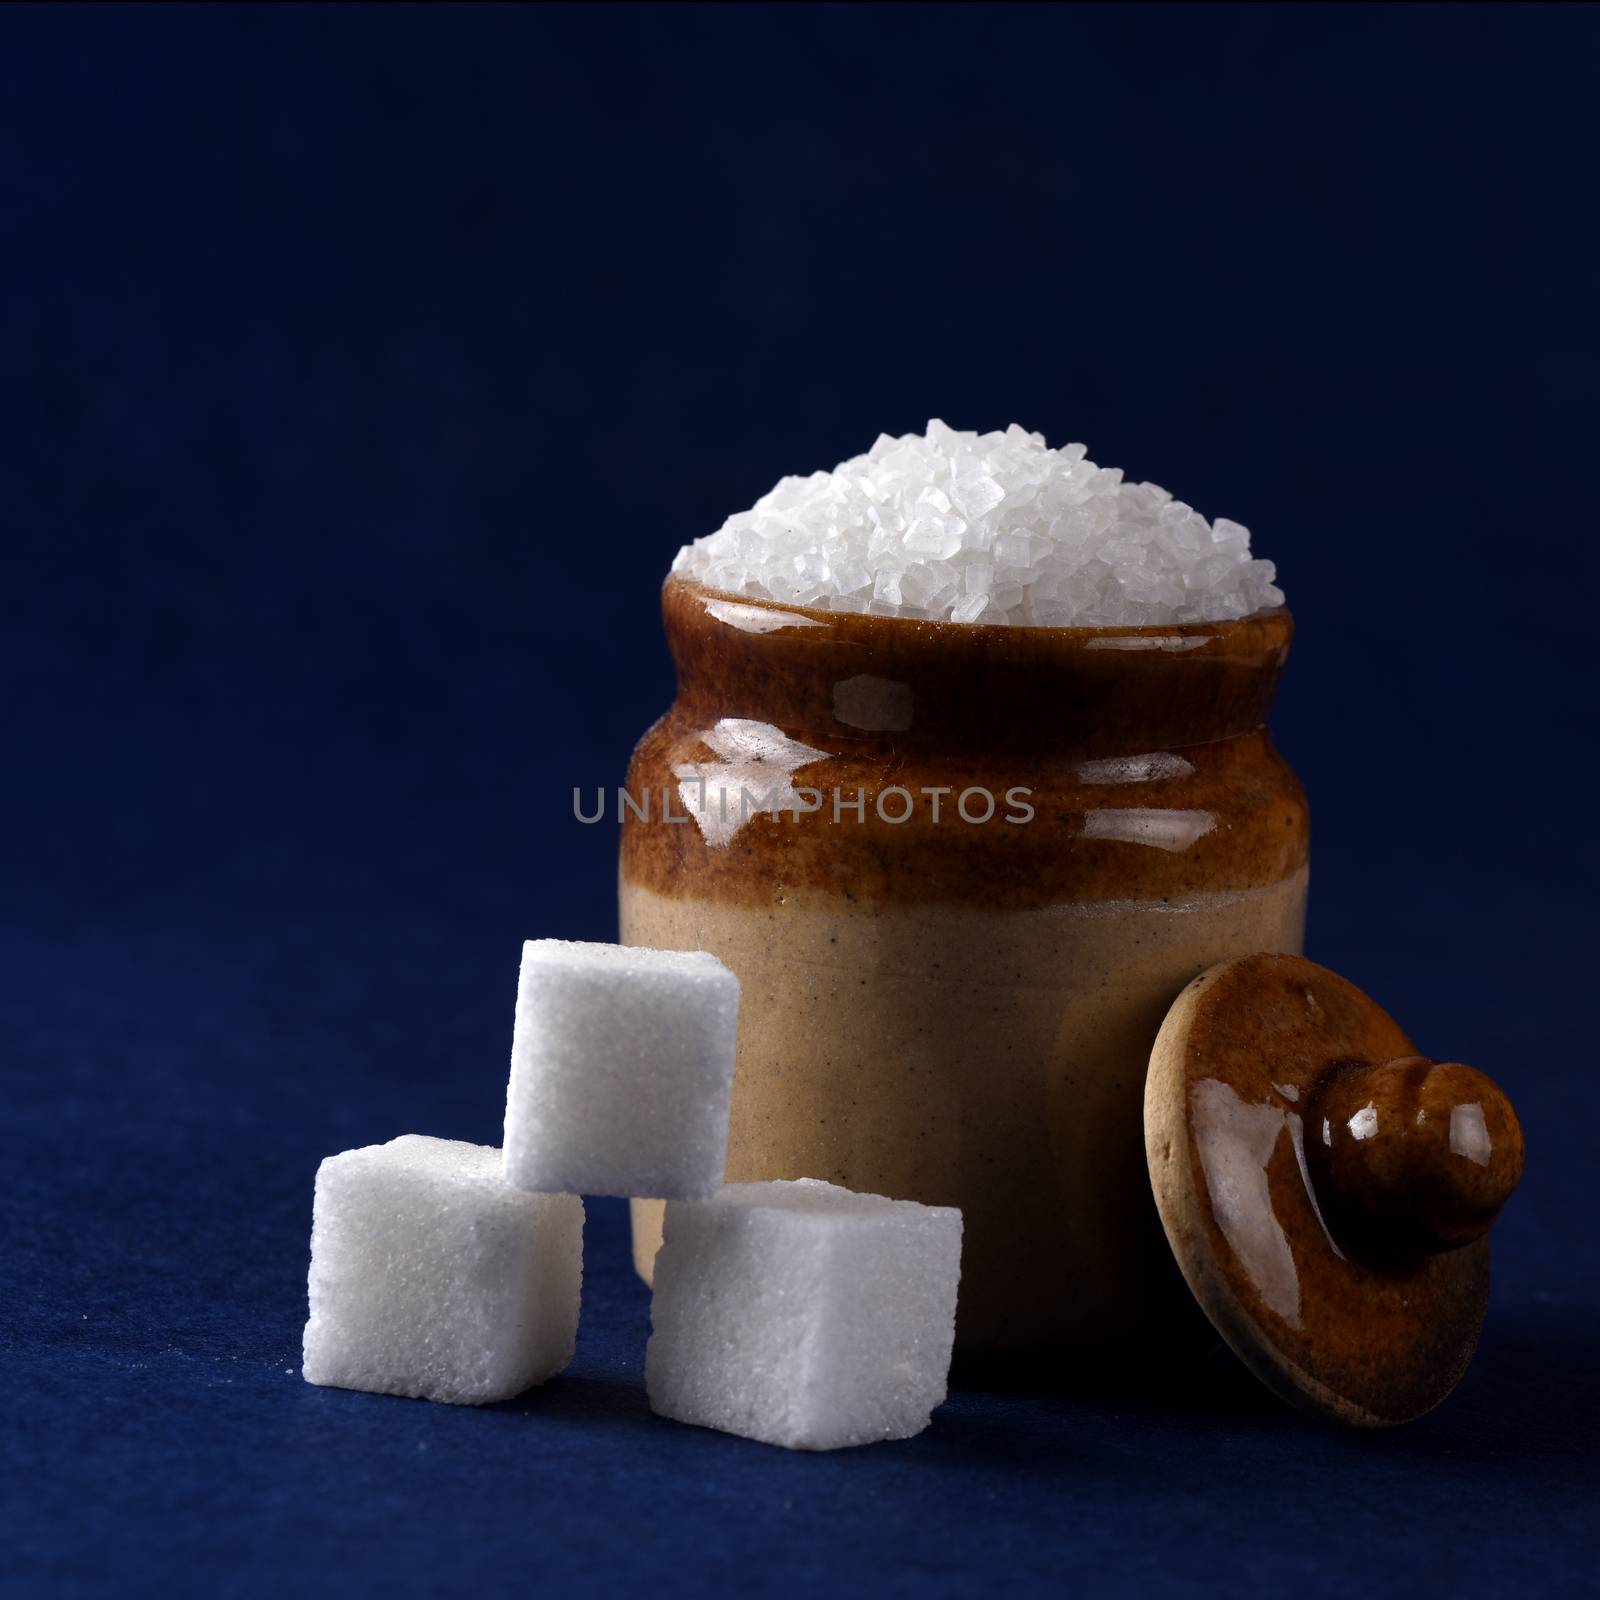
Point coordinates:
[[1084, 691], [953, 633]]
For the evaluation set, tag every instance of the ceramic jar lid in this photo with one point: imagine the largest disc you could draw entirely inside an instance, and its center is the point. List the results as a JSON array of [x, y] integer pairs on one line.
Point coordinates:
[[1326, 1190]]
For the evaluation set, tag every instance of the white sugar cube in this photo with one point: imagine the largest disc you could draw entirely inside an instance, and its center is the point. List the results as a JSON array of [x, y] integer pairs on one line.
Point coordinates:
[[804, 1315], [621, 1071], [432, 1277]]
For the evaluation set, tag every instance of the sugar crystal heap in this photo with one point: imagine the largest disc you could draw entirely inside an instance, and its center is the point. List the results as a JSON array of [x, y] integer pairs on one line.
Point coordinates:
[[991, 528]]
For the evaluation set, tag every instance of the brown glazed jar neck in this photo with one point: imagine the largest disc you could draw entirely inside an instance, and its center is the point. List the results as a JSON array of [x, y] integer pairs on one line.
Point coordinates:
[[896, 682]]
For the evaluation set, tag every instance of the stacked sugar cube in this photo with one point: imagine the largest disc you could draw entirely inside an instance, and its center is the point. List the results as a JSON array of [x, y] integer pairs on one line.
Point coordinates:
[[621, 1071], [793, 1312], [984, 527]]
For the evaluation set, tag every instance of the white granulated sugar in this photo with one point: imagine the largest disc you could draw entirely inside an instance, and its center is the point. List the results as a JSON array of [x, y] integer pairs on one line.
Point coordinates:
[[803, 1315], [433, 1277], [621, 1071], [992, 528]]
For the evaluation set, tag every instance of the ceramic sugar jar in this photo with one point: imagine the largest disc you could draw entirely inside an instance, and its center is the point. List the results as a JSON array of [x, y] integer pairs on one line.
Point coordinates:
[[962, 871]]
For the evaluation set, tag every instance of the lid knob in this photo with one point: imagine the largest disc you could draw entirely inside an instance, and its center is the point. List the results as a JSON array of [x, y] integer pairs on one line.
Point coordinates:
[[1415, 1156]]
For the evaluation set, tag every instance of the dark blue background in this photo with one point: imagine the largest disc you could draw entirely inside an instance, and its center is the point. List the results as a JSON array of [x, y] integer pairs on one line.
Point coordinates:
[[361, 371]]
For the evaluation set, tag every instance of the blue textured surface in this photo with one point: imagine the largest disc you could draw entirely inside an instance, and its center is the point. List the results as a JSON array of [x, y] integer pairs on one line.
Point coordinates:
[[173, 1087], [320, 325]]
